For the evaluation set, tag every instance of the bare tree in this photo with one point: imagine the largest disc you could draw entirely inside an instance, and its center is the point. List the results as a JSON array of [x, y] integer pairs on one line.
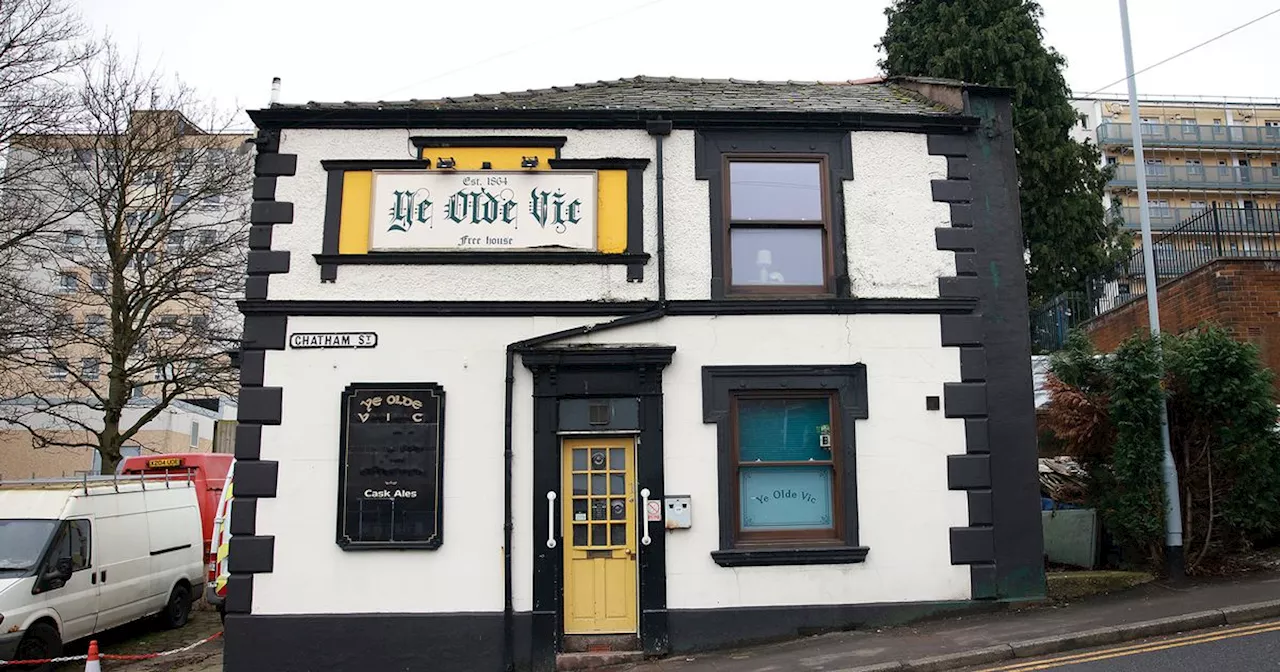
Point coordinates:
[[133, 294], [42, 43]]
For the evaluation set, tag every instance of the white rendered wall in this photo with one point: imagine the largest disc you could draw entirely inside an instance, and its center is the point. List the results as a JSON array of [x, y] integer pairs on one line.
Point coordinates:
[[890, 217], [905, 509]]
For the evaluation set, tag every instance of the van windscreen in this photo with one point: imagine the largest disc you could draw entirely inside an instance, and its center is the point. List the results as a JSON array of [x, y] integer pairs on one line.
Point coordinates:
[[22, 542]]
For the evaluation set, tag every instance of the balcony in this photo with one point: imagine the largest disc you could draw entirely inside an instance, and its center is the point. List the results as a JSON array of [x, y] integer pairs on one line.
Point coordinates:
[[1161, 218], [1200, 178], [1192, 135]]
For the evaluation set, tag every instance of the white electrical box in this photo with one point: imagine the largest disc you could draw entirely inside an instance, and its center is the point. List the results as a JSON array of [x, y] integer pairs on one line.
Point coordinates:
[[679, 510]]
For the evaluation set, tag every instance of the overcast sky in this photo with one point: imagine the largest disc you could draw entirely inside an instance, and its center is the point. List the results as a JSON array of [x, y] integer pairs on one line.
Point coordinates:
[[398, 49]]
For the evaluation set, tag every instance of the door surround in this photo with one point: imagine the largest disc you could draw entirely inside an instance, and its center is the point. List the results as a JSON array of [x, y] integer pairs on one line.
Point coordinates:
[[578, 372]]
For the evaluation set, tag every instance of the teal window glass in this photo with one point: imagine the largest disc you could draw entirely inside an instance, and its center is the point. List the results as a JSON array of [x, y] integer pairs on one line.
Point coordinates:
[[782, 430], [786, 470]]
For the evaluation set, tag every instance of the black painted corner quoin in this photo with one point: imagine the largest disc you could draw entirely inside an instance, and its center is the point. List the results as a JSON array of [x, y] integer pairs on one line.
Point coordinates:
[[1002, 543], [849, 381], [250, 553]]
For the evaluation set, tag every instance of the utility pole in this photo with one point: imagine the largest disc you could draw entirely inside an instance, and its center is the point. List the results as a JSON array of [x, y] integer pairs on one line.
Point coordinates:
[[1174, 561]]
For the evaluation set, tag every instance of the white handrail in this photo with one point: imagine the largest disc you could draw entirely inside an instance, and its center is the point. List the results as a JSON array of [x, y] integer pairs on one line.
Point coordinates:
[[644, 513], [551, 519]]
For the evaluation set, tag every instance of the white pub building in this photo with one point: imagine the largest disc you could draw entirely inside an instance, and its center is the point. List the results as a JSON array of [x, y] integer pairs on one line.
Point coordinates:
[[653, 365]]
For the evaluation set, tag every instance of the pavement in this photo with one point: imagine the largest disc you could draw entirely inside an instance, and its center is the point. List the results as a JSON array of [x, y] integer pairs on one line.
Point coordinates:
[[142, 637], [1150, 610]]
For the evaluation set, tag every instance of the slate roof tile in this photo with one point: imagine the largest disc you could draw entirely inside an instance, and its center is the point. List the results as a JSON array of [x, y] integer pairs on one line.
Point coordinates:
[[675, 94]]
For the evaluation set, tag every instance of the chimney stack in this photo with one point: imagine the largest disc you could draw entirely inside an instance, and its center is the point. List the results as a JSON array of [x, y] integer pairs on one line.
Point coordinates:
[[275, 90]]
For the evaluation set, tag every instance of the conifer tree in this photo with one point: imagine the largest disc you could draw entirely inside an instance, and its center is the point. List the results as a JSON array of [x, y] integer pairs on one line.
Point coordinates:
[[1069, 232]]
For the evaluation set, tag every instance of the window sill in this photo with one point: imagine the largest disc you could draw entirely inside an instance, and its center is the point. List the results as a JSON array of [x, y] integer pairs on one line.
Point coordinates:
[[483, 257], [739, 295], [819, 555]]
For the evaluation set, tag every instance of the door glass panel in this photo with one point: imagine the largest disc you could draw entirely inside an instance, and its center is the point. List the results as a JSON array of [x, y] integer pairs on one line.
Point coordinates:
[[598, 506]]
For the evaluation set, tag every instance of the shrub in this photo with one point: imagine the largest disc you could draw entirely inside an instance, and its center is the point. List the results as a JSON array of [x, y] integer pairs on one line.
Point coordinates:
[[1106, 413]]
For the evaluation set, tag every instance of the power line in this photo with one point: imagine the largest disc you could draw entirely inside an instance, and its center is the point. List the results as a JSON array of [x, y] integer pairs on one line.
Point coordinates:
[[1183, 52]]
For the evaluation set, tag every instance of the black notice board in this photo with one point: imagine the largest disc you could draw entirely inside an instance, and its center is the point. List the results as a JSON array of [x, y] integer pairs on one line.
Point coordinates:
[[391, 466]]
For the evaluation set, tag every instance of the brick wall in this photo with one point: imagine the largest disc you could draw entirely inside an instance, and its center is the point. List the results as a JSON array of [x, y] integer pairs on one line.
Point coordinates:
[[1241, 295]]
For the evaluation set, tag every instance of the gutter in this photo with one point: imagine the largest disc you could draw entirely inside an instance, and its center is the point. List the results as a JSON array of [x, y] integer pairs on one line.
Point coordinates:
[[658, 129]]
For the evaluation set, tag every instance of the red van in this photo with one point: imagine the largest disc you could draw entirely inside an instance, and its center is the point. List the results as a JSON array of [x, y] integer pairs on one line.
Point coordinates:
[[208, 470]]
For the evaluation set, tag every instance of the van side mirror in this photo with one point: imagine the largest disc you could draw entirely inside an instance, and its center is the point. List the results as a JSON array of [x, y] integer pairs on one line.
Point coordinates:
[[63, 568]]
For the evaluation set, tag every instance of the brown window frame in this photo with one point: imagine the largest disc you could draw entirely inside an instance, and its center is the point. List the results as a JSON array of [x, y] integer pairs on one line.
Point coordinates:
[[727, 225], [788, 538]]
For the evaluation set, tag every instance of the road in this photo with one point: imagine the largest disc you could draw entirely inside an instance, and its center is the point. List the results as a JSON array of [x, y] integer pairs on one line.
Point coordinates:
[[1247, 648]]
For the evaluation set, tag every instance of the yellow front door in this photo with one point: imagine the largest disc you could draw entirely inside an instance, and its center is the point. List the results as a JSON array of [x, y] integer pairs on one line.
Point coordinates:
[[600, 536]]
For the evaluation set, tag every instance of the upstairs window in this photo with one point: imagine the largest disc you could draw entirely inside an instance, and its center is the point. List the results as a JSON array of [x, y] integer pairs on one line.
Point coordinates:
[[778, 226]]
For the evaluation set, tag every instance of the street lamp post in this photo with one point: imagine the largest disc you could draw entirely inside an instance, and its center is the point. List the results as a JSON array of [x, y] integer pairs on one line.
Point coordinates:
[[1173, 556]]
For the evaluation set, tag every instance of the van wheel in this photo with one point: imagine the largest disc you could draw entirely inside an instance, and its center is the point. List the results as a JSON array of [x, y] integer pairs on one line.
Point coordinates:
[[179, 607], [222, 612], [41, 641]]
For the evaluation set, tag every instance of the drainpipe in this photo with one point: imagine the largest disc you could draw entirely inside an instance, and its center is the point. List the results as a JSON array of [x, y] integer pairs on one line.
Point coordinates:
[[658, 129]]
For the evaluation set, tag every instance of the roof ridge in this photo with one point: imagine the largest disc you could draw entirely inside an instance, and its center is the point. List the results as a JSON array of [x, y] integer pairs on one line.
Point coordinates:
[[672, 93]]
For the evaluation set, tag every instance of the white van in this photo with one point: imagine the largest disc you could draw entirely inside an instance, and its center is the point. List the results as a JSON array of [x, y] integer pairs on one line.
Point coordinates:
[[81, 556]]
